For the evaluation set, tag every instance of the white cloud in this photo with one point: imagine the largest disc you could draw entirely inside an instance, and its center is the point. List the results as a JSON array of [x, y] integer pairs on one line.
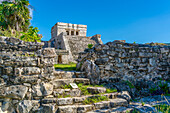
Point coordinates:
[[31, 12]]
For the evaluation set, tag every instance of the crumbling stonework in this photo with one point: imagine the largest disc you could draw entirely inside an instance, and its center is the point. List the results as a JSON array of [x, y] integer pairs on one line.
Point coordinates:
[[117, 61], [25, 72]]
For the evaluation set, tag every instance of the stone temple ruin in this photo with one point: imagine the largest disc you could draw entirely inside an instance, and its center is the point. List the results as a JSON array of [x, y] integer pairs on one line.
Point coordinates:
[[29, 82], [70, 39]]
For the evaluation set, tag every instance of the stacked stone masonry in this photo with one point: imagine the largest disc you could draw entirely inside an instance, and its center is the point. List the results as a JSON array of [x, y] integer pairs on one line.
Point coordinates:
[[30, 84], [124, 61]]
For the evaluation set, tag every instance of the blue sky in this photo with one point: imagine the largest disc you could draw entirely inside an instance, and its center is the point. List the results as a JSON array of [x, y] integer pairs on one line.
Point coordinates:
[[137, 21]]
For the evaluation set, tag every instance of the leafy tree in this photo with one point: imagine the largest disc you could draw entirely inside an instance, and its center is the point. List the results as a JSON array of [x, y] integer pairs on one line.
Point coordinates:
[[31, 35], [15, 15]]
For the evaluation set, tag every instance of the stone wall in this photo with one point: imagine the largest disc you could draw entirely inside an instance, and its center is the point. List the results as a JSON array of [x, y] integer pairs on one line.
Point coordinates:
[[78, 44], [26, 72], [123, 61]]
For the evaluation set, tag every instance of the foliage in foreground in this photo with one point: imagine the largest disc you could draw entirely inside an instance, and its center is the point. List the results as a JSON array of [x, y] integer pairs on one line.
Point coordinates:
[[9, 33], [31, 35], [15, 20], [95, 99], [15, 14]]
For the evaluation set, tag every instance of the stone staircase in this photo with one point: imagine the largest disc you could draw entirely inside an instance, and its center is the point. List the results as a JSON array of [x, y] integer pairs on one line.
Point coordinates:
[[74, 103]]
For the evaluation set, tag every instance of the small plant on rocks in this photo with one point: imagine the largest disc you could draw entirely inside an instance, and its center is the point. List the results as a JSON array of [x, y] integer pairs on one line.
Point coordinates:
[[95, 99]]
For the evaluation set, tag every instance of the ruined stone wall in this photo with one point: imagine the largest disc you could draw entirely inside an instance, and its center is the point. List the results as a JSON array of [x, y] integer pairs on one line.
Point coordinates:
[[123, 61], [26, 72], [78, 44]]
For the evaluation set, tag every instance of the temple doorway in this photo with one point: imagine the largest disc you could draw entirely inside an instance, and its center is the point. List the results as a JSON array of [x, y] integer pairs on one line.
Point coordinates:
[[59, 59]]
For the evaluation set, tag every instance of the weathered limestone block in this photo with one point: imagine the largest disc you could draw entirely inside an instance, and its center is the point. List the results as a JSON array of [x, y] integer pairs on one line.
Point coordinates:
[[25, 79], [84, 108], [31, 70], [92, 70], [101, 61], [71, 92], [118, 102], [49, 100], [102, 105], [124, 95], [14, 92], [27, 71], [67, 109], [49, 52], [42, 89], [48, 108], [7, 106], [48, 88], [64, 101], [24, 106], [96, 90]]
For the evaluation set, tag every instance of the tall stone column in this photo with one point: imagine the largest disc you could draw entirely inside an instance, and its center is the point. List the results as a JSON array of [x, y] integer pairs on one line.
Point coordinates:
[[74, 32], [69, 31]]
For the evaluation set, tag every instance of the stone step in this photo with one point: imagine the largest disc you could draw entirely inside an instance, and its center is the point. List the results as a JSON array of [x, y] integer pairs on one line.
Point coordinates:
[[91, 107], [63, 74], [74, 108], [82, 98], [67, 92], [111, 103], [68, 74], [96, 90], [62, 82], [75, 100], [118, 109]]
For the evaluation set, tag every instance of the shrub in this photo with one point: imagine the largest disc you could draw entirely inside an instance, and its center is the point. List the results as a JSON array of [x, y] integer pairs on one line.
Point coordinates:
[[90, 46], [164, 87], [130, 84]]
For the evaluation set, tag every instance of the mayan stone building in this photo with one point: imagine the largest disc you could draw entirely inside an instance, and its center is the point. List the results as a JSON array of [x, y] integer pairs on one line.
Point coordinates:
[[69, 40]]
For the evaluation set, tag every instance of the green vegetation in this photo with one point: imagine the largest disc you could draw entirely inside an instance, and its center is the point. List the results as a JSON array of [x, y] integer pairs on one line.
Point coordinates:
[[90, 46], [130, 84], [111, 90], [152, 90], [66, 67], [15, 14], [9, 33], [84, 90], [163, 108], [143, 103], [15, 21], [31, 35], [66, 87], [95, 99], [164, 87]]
